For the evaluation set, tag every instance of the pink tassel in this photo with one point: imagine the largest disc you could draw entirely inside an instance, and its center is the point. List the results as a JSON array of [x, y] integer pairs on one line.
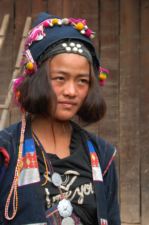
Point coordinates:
[[17, 82], [36, 34]]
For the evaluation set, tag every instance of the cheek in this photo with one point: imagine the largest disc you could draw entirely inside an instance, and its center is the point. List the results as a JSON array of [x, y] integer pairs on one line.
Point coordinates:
[[84, 94], [55, 89]]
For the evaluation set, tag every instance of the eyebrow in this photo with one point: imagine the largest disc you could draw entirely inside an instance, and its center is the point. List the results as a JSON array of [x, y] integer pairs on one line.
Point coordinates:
[[67, 74]]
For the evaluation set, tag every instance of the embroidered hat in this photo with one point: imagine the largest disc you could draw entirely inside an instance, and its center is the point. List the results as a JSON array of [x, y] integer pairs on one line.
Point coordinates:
[[48, 30]]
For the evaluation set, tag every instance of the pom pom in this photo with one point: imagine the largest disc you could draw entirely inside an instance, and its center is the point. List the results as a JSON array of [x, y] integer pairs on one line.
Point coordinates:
[[103, 75], [88, 32], [65, 21], [92, 36], [30, 66], [46, 23], [79, 26], [55, 21]]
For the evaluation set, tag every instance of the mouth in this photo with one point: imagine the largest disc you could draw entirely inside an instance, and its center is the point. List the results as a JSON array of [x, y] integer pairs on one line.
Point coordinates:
[[67, 104]]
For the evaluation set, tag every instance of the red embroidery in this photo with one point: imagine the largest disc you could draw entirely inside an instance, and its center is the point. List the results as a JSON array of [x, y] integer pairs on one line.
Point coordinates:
[[94, 159], [109, 163], [30, 161]]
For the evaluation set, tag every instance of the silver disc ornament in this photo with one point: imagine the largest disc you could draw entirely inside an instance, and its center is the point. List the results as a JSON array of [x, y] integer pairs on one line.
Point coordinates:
[[68, 221], [56, 179], [65, 208]]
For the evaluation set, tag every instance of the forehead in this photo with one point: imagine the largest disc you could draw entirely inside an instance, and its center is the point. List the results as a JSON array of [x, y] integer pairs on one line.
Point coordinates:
[[69, 59]]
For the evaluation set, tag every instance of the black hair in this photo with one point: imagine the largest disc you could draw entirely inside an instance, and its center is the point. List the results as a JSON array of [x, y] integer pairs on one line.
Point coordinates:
[[94, 107], [36, 95], [38, 98]]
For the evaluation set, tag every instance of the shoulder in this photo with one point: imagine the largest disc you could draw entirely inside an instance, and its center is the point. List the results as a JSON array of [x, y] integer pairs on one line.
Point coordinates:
[[8, 142], [104, 147], [105, 150], [9, 133]]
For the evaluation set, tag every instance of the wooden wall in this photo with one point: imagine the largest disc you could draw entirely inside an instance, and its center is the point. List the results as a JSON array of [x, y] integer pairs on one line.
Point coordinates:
[[122, 40]]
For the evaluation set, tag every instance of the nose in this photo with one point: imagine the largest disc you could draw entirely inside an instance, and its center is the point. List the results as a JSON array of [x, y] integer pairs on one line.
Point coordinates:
[[70, 89]]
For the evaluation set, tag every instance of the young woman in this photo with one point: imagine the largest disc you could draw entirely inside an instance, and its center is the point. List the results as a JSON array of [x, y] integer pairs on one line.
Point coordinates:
[[51, 170]]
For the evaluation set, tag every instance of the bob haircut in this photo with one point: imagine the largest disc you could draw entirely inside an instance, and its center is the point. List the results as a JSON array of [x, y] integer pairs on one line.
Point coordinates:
[[38, 98]]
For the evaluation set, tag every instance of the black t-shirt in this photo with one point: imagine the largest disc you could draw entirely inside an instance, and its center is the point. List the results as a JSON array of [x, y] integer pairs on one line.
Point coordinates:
[[76, 174]]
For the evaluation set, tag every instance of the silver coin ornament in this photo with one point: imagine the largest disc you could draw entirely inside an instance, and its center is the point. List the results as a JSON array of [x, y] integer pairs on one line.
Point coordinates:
[[68, 221], [65, 208], [56, 179]]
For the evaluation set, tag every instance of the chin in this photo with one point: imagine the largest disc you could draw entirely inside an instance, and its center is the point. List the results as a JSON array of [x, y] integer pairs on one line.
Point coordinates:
[[64, 117]]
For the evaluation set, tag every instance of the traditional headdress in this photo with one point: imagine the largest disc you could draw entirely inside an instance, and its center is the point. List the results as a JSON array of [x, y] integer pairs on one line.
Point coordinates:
[[51, 35]]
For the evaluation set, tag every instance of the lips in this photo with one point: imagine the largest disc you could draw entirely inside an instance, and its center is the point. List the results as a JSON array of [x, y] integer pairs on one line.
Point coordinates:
[[67, 104]]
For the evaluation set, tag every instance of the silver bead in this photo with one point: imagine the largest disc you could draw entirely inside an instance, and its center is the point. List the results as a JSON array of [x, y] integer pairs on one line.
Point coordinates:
[[64, 45], [68, 49], [72, 44], [75, 49], [80, 51], [78, 45]]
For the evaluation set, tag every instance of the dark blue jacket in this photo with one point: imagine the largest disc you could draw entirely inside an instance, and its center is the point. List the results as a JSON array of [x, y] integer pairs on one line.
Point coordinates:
[[31, 208]]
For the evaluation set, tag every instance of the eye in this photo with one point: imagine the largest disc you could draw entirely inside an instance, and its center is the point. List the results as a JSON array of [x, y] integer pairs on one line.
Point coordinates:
[[58, 78], [83, 81]]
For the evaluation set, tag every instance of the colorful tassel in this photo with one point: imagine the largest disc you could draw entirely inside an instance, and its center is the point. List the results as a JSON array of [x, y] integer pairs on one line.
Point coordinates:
[[103, 75], [30, 66]]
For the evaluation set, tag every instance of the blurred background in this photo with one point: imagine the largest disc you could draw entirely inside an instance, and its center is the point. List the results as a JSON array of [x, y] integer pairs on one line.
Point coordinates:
[[122, 41]]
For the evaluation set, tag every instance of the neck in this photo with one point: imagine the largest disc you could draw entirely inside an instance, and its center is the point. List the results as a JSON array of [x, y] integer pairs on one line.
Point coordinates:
[[53, 134], [40, 123]]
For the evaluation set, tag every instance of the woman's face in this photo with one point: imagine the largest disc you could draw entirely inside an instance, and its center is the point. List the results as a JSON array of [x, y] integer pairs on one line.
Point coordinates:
[[70, 78]]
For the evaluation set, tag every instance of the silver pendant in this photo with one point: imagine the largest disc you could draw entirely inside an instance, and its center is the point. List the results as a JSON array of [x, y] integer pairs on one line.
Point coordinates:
[[68, 221], [56, 179], [65, 208]]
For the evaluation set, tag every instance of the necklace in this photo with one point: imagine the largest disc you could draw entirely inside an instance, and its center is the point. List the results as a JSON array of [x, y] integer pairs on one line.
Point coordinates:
[[64, 207]]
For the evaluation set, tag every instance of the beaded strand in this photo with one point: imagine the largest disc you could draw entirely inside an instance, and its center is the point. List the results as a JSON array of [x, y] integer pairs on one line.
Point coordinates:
[[14, 187], [44, 159], [46, 172]]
